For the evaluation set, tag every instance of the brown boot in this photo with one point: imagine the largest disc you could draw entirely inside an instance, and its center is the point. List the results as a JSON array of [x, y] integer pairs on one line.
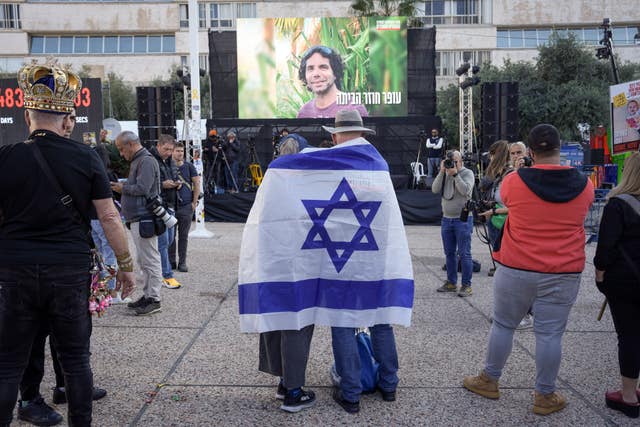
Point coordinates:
[[545, 404], [483, 385]]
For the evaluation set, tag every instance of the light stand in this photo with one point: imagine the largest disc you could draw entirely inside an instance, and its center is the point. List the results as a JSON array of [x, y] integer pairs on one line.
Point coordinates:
[[606, 52]]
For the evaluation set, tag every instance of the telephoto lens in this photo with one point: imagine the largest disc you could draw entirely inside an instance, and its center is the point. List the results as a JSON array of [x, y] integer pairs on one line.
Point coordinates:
[[155, 206]]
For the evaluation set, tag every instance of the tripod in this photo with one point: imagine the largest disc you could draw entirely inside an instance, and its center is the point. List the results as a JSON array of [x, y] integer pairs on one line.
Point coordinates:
[[254, 166], [210, 174]]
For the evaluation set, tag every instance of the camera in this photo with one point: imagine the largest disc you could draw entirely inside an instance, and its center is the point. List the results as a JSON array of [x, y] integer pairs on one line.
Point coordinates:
[[528, 161], [423, 134], [473, 206], [154, 204], [448, 161]]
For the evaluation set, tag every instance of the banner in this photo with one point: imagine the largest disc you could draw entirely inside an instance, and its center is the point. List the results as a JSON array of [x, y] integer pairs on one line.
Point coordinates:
[[325, 244], [625, 116]]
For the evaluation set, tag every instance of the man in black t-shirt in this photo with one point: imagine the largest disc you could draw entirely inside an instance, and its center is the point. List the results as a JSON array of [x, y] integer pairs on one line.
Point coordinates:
[[44, 250]]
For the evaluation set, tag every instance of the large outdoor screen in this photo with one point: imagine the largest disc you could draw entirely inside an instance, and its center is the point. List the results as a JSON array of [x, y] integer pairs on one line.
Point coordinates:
[[313, 67]]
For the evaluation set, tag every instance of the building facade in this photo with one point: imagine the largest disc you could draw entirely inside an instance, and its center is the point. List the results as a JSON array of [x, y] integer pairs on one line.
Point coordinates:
[[145, 40]]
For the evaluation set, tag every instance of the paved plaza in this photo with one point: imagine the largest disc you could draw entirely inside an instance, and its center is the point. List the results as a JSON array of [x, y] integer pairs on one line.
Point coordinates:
[[190, 366]]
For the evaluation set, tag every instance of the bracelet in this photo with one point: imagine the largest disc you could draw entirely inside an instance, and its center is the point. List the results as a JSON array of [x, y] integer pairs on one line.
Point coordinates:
[[125, 262]]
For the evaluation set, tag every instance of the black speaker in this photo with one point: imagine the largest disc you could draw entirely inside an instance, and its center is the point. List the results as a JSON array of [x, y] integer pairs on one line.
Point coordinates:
[[499, 113], [148, 134]]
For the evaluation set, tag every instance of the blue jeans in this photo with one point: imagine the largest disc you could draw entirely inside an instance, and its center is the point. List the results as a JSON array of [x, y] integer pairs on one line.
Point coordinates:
[[57, 295], [456, 238], [345, 353], [227, 176], [102, 245], [433, 166], [164, 241], [551, 296]]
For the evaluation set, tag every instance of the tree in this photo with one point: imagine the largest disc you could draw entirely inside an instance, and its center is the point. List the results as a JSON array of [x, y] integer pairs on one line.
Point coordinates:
[[387, 8], [122, 98], [566, 85]]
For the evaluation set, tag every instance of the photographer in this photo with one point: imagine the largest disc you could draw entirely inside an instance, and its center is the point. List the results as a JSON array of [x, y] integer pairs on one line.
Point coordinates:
[[170, 185], [499, 167], [455, 184], [143, 183], [231, 149]]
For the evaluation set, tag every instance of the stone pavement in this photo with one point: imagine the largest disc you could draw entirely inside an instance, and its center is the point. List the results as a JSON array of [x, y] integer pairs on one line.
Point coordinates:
[[190, 366]]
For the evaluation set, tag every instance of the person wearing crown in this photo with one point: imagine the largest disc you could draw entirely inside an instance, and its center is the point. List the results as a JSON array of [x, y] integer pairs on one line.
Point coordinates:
[[48, 186]]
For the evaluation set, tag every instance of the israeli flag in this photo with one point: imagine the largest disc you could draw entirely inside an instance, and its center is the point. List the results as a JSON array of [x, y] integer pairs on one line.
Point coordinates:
[[324, 244]]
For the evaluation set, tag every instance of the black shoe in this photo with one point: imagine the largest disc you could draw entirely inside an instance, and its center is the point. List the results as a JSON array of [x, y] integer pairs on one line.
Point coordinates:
[[38, 413], [139, 303], [387, 396], [298, 399], [350, 407], [150, 307], [183, 268], [173, 265], [60, 397]]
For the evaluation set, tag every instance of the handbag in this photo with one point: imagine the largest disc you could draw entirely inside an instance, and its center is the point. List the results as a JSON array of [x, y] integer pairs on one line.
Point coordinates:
[[99, 297], [498, 220], [369, 366]]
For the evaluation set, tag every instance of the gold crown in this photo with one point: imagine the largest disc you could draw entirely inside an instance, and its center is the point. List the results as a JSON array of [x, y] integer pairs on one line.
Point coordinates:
[[49, 87]]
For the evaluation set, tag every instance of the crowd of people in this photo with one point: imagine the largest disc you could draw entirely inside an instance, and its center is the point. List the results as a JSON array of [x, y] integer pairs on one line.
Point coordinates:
[[65, 211]]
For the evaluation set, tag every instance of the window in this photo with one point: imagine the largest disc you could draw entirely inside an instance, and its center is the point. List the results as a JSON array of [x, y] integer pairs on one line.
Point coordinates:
[[126, 44], [103, 44], [184, 16], [111, 45], [450, 11], [155, 44], [218, 15], [95, 44], [66, 44], [448, 61], [37, 44], [534, 37], [203, 61], [10, 16]]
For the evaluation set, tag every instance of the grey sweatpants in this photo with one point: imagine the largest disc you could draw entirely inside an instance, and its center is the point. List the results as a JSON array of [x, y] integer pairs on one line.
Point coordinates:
[[285, 354], [551, 296], [148, 262]]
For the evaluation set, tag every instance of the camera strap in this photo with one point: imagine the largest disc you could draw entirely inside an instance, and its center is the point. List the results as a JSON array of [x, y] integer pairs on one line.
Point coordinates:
[[65, 198]]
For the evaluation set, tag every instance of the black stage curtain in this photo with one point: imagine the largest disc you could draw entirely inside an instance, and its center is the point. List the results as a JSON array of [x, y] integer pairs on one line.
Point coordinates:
[[416, 206]]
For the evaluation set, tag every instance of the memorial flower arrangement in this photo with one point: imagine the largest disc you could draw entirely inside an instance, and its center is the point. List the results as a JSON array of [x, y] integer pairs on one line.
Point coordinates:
[[99, 297]]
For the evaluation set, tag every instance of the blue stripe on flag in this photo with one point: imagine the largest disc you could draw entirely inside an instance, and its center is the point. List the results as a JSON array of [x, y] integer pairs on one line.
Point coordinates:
[[273, 297], [354, 157]]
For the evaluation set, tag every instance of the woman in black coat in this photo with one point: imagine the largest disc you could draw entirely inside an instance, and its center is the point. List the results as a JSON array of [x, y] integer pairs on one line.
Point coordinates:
[[617, 264]]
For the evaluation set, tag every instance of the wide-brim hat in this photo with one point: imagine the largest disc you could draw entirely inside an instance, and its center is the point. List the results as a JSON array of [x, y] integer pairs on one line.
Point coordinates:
[[348, 121]]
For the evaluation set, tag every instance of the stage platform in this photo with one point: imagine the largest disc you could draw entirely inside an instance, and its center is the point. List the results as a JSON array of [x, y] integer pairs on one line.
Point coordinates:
[[417, 206]]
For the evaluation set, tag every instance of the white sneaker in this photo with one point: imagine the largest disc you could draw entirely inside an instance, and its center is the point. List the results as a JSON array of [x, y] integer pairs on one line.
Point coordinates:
[[525, 323], [118, 299]]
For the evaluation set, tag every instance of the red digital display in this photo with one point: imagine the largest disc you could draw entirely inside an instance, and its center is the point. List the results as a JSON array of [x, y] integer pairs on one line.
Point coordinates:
[[13, 97]]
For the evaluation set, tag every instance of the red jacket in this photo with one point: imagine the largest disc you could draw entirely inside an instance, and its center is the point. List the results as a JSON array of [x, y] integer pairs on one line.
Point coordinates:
[[544, 231]]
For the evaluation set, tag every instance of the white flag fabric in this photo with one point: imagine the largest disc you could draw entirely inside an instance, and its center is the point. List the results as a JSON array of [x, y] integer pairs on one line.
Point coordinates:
[[324, 244]]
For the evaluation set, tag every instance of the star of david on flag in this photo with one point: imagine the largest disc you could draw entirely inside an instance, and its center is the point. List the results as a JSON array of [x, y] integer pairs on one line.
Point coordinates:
[[325, 244], [319, 211]]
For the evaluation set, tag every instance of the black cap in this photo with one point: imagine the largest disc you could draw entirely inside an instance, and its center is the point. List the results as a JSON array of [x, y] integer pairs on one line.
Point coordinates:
[[544, 138]]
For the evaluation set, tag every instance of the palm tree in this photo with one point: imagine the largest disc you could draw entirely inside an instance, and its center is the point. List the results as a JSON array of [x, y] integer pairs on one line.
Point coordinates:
[[387, 8]]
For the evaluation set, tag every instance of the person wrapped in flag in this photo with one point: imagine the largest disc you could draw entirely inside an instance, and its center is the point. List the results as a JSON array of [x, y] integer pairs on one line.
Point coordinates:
[[324, 244]]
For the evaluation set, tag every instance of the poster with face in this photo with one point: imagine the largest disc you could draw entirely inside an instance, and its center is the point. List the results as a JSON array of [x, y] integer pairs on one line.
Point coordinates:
[[625, 116], [314, 67]]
